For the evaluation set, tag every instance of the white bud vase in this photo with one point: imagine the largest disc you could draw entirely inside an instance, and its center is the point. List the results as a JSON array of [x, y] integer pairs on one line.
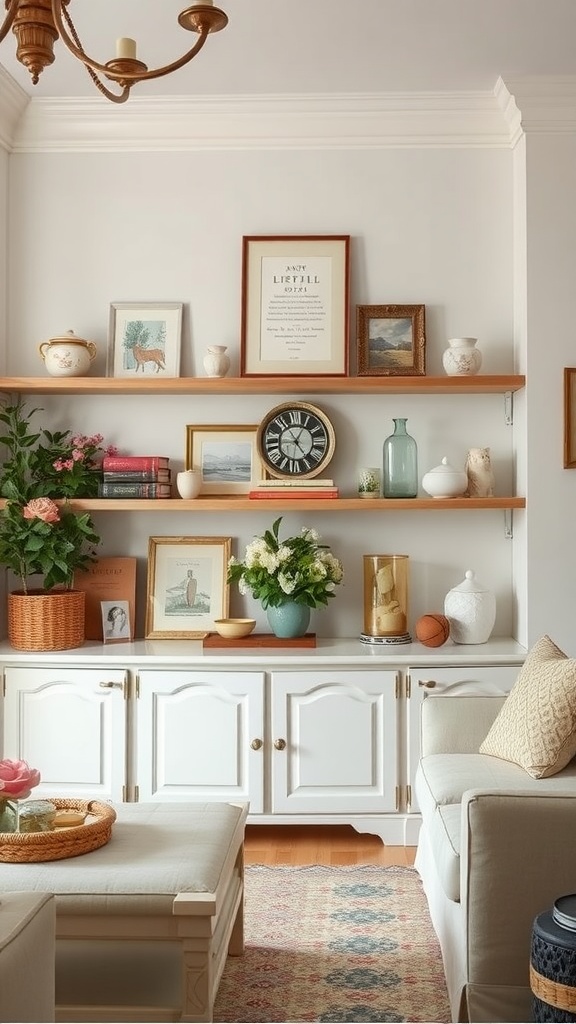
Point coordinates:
[[462, 358], [216, 362], [188, 483]]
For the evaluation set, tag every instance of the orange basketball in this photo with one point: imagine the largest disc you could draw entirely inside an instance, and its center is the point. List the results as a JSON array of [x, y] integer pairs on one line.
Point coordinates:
[[433, 630]]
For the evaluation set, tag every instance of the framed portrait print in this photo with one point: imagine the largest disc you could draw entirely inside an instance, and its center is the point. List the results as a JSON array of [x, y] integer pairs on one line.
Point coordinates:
[[226, 456], [186, 586], [570, 417], [391, 341], [295, 305], [145, 339]]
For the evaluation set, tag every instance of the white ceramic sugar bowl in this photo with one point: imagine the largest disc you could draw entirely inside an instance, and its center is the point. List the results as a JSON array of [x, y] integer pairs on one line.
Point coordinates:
[[471, 610], [67, 355], [445, 481]]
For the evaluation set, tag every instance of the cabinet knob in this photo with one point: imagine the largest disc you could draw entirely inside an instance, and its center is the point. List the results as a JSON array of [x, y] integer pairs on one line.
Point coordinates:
[[111, 686], [256, 744], [427, 684], [280, 744]]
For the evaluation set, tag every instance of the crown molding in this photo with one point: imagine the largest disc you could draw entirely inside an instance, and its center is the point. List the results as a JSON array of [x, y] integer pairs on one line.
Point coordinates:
[[272, 122], [538, 105], [13, 103]]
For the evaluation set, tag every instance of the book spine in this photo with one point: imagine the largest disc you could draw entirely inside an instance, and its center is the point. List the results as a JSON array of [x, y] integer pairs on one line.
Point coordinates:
[[287, 495], [118, 463], [297, 484], [125, 489], [135, 475]]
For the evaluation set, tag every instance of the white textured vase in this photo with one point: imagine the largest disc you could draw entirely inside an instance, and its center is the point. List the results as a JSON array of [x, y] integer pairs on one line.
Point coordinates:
[[216, 362], [462, 358], [471, 610], [188, 483]]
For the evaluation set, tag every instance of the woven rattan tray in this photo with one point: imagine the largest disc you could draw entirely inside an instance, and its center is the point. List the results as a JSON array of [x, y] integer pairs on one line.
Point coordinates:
[[22, 847]]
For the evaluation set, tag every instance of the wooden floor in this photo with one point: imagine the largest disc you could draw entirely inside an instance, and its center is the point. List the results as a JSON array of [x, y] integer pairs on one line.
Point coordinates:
[[320, 844]]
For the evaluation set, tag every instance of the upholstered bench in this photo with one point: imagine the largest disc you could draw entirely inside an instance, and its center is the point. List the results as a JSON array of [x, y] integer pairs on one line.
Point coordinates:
[[144, 924]]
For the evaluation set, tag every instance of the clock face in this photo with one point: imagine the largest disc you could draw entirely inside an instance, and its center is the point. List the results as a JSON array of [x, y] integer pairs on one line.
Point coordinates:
[[296, 440]]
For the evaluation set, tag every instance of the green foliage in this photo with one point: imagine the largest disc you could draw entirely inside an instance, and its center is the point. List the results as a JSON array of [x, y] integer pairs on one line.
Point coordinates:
[[53, 549]]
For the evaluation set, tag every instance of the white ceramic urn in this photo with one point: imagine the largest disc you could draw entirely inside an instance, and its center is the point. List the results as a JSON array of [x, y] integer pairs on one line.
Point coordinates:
[[462, 358], [471, 611], [445, 481], [216, 362], [67, 355]]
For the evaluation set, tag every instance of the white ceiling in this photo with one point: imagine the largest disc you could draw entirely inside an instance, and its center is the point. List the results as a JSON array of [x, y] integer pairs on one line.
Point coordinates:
[[327, 46]]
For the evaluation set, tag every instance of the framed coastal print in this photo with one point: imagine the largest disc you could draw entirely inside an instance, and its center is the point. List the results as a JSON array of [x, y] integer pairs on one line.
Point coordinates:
[[391, 341], [570, 417], [144, 339], [295, 305], [226, 456], [187, 586]]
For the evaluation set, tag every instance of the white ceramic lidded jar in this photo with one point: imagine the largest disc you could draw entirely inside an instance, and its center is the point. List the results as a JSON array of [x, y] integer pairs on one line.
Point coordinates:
[[462, 358], [67, 355], [471, 611], [444, 481], [216, 362]]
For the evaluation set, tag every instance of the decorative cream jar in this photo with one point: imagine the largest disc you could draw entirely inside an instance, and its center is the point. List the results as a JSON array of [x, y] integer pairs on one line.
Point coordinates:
[[67, 355], [471, 611], [444, 481]]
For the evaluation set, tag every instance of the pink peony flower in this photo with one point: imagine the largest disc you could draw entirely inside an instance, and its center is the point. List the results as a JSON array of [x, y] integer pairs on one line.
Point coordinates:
[[42, 508], [17, 779]]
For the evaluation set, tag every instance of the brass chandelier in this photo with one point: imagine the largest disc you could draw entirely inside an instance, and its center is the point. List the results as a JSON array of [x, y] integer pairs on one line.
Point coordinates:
[[37, 24]]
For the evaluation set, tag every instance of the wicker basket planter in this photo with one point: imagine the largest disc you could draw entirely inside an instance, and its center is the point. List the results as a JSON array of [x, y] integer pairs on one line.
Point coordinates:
[[40, 621]]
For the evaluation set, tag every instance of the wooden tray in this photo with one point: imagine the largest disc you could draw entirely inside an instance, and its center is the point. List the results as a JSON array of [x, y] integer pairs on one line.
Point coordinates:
[[60, 843], [259, 640]]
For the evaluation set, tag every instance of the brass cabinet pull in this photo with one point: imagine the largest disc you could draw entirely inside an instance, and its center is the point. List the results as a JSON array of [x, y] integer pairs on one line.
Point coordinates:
[[112, 686], [427, 684], [256, 744], [280, 744]]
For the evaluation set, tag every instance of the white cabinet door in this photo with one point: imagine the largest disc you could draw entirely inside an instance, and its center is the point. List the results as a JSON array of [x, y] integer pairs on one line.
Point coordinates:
[[70, 724], [200, 736], [334, 741], [446, 682]]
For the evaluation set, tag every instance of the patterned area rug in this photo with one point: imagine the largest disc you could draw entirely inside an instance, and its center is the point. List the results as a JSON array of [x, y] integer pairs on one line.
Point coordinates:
[[334, 944]]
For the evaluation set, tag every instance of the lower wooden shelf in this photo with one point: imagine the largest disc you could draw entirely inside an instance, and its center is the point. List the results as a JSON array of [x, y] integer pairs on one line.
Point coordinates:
[[259, 640]]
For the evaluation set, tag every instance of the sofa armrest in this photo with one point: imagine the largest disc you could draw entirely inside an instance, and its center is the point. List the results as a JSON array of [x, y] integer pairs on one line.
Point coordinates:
[[456, 725], [27, 956], [517, 857]]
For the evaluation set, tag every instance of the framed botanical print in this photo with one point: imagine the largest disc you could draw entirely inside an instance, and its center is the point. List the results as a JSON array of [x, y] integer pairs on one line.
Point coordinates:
[[187, 586]]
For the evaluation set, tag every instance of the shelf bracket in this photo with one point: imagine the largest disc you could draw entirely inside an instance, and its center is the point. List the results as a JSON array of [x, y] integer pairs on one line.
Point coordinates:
[[508, 408], [508, 524]]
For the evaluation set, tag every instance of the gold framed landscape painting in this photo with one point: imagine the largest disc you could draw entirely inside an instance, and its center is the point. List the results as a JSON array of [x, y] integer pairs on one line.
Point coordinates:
[[226, 456], [187, 586], [391, 340]]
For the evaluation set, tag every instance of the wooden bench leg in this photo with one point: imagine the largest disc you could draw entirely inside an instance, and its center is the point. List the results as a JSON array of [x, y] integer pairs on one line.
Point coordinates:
[[198, 984]]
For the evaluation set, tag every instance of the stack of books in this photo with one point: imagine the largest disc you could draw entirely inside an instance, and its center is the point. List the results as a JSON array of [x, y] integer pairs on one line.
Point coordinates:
[[135, 476], [314, 488]]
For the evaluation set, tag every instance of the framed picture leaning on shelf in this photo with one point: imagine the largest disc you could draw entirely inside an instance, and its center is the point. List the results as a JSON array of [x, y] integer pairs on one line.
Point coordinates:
[[295, 303], [144, 339], [187, 586], [226, 456], [391, 341], [569, 417]]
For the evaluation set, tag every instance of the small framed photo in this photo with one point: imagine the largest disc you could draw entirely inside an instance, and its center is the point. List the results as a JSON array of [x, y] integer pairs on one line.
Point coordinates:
[[391, 341], [569, 417], [145, 339], [226, 456], [115, 621], [295, 305], [187, 586]]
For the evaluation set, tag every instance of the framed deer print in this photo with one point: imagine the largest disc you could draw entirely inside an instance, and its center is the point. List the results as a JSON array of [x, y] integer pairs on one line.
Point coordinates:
[[144, 339]]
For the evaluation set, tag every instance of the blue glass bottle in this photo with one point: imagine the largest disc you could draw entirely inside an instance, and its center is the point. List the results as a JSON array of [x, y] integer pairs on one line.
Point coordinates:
[[400, 476]]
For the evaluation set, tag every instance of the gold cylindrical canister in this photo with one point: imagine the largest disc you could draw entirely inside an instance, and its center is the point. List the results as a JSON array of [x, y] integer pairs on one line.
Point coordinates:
[[385, 595]]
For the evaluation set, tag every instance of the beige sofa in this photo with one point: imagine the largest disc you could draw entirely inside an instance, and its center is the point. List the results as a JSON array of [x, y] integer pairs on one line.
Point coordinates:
[[496, 848], [27, 944]]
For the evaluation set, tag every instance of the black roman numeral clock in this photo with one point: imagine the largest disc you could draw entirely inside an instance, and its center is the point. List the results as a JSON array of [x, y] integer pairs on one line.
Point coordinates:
[[295, 440]]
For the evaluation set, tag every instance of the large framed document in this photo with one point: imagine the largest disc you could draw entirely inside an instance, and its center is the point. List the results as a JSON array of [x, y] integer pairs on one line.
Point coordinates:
[[295, 305]]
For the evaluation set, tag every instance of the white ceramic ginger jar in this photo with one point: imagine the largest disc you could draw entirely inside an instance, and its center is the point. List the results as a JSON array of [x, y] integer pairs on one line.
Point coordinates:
[[471, 610], [216, 362], [462, 358]]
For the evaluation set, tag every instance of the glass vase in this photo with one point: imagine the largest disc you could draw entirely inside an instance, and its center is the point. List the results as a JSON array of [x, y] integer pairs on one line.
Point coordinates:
[[9, 816], [289, 620], [386, 596], [400, 476]]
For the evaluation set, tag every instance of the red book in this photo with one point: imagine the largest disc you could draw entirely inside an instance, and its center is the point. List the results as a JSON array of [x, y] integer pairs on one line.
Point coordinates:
[[287, 493], [114, 463]]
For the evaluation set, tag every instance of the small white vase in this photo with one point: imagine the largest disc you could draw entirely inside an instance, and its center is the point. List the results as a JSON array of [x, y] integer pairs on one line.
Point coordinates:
[[462, 358], [216, 362], [188, 483]]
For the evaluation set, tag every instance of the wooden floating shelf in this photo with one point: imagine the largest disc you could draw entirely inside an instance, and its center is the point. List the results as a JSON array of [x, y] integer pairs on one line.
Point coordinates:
[[295, 505], [476, 385]]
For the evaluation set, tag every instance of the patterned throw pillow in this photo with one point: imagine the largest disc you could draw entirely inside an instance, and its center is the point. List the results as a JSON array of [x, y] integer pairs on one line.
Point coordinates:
[[536, 726]]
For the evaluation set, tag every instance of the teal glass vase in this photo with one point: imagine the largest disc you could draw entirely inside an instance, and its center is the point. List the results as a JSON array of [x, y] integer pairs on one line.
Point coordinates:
[[289, 620], [400, 475]]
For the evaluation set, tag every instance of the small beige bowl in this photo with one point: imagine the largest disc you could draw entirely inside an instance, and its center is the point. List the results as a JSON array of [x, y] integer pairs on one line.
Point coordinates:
[[234, 629]]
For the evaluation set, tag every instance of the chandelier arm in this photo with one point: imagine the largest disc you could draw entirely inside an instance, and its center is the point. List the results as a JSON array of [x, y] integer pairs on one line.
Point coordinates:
[[11, 8], [124, 77]]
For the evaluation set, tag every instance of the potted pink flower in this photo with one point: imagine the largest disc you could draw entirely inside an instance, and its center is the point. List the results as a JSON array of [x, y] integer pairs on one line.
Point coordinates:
[[17, 780]]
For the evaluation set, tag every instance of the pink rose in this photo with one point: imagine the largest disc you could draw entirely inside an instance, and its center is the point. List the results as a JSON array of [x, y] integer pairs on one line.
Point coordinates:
[[42, 508], [17, 779]]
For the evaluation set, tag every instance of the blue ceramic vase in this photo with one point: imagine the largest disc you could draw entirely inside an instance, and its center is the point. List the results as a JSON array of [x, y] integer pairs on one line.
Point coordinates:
[[289, 620]]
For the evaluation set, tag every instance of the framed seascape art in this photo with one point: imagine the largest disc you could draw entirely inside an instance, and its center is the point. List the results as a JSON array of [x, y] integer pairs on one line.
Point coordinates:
[[295, 303], [144, 339], [187, 588], [569, 417], [391, 341], [226, 456]]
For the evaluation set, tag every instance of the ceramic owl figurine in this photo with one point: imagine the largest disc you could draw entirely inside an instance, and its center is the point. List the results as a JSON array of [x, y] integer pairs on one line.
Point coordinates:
[[480, 474]]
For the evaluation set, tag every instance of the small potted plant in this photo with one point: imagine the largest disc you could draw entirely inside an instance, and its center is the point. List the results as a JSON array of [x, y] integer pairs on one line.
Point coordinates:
[[41, 538]]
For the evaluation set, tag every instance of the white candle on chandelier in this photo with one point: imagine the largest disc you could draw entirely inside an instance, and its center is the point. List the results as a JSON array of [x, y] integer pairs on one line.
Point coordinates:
[[126, 48]]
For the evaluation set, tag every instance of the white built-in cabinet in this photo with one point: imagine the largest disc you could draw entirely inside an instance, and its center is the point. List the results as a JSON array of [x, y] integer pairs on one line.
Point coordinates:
[[322, 736]]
